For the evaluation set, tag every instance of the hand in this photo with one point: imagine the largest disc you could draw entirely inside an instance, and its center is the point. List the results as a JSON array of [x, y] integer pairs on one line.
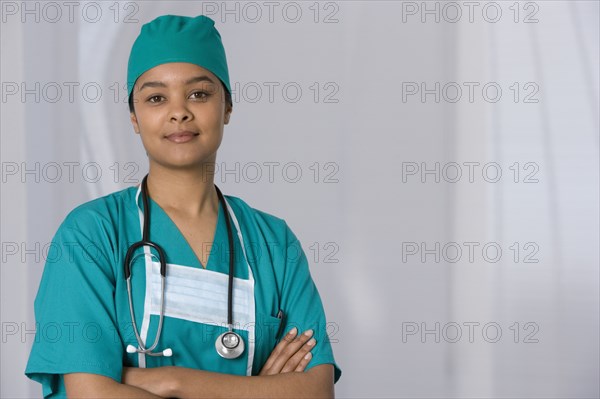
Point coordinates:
[[291, 354]]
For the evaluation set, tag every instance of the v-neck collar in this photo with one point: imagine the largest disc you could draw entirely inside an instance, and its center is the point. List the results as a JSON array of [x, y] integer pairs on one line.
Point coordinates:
[[220, 245], [215, 245]]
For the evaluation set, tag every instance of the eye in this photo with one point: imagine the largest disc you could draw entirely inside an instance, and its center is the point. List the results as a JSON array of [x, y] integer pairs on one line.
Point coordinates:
[[154, 99], [199, 95]]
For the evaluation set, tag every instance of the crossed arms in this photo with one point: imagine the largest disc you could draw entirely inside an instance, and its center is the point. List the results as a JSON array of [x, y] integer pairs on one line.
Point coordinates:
[[282, 376]]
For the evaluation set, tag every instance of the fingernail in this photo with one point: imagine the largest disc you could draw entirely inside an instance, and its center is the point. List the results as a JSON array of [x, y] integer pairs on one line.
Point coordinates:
[[308, 355], [311, 342], [293, 331], [308, 333]]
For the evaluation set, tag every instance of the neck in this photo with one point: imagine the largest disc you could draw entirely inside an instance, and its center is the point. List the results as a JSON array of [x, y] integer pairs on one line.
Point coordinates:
[[190, 193]]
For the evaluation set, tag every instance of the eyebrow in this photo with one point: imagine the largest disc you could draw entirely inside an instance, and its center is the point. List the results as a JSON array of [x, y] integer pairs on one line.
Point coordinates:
[[190, 81]]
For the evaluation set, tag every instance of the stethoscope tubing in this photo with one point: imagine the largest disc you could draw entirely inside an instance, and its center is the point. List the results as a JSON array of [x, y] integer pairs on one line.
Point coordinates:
[[145, 242]]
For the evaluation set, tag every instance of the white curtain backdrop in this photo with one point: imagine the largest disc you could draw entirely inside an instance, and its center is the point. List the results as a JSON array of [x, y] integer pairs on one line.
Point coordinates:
[[437, 160]]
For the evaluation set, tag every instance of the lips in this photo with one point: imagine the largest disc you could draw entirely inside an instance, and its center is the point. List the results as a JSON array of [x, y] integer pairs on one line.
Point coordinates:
[[181, 136]]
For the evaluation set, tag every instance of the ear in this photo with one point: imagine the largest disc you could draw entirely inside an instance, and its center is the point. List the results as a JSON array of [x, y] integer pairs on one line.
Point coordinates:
[[228, 110], [134, 122]]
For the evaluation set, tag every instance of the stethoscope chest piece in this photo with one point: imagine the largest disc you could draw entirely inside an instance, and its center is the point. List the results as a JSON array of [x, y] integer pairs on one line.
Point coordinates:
[[229, 345]]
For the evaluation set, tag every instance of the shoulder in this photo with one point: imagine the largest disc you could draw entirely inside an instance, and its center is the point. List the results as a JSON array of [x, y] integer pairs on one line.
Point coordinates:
[[266, 224], [101, 211], [90, 233], [88, 241], [274, 248]]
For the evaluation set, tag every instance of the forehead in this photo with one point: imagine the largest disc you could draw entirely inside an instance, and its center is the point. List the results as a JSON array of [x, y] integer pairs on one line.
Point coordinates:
[[174, 73]]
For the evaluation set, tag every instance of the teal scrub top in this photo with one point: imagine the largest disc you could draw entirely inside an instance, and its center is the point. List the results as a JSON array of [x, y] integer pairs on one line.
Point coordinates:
[[82, 312]]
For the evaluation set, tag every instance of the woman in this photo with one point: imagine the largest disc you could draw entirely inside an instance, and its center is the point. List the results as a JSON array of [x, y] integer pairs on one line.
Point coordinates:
[[110, 326]]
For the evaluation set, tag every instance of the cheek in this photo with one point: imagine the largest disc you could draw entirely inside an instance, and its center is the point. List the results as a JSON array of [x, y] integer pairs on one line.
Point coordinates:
[[148, 118], [209, 115]]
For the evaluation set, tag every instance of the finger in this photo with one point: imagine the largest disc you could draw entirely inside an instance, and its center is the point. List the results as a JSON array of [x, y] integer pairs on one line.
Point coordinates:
[[299, 356], [284, 350], [288, 338], [304, 362], [289, 351]]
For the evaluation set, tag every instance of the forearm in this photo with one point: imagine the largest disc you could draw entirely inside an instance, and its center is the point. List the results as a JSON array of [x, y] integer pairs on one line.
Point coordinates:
[[121, 391], [185, 383], [83, 385], [192, 383]]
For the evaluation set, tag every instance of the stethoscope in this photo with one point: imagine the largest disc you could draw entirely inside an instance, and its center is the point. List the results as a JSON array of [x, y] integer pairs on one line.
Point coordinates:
[[230, 344]]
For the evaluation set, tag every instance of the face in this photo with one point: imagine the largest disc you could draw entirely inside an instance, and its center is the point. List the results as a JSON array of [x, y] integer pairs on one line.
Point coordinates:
[[180, 113]]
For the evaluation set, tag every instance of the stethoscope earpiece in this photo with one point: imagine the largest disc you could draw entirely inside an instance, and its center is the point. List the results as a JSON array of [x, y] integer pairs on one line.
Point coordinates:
[[166, 353]]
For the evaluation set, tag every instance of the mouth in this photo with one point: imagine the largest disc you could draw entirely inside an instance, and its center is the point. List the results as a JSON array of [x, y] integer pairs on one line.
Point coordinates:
[[181, 136]]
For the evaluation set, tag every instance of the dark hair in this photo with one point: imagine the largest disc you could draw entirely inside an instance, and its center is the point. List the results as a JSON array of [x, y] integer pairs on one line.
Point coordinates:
[[228, 100]]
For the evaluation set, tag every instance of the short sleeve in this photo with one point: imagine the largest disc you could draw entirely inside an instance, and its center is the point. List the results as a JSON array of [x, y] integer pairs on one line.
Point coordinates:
[[301, 301], [76, 328]]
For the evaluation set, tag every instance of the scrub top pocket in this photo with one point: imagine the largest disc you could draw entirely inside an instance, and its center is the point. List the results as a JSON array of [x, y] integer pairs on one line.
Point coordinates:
[[266, 336]]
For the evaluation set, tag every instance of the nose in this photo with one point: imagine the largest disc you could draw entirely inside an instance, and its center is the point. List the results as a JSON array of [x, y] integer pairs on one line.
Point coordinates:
[[179, 112]]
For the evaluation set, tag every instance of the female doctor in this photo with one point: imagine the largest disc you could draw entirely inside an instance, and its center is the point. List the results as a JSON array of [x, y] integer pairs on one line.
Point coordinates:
[[170, 288]]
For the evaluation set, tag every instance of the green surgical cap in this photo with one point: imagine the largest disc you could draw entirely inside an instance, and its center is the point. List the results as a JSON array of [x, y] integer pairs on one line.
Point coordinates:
[[175, 38]]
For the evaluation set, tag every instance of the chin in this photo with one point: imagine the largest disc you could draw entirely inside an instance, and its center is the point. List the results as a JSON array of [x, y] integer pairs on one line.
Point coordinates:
[[182, 165]]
